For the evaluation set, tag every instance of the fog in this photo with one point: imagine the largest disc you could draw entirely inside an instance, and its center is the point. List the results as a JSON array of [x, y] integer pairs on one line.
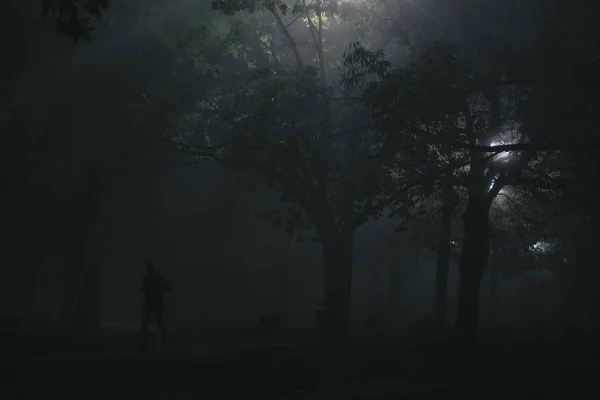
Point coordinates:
[[298, 199], [202, 224]]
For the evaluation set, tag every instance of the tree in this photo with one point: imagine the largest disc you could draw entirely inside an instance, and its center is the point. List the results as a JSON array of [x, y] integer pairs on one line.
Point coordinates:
[[408, 29], [450, 201], [75, 18], [59, 211], [472, 110], [308, 141], [457, 106]]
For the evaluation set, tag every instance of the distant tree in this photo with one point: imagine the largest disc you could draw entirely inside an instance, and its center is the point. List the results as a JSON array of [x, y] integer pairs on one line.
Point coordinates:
[[61, 220]]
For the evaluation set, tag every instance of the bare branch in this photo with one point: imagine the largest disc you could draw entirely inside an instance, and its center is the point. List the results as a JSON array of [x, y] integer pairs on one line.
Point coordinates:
[[299, 186], [290, 39], [565, 146]]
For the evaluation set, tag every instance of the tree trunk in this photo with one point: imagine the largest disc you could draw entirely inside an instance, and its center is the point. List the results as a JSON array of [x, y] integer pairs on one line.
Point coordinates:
[[289, 38], [443, 258], [493, 291], [405, 261], [595, 319], [337, 285], [374, 291], [285, 278], [473, 259], [396, 263]]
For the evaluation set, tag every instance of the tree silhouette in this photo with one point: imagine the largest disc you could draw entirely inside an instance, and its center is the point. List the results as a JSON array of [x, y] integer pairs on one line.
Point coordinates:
[[75, 18]]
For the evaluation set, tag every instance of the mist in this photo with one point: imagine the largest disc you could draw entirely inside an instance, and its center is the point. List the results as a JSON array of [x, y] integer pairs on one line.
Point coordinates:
[[319, 175]]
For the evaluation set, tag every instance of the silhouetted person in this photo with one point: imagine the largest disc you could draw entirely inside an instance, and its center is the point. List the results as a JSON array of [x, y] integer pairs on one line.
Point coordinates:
[[153, 287]]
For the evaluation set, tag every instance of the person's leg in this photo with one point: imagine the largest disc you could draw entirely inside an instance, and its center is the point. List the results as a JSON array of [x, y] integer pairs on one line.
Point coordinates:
[[146, 316], [161, 325]]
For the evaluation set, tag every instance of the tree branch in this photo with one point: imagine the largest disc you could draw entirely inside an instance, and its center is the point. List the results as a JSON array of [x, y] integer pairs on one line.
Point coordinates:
[[289, 38], [565, 146], [293, 183]]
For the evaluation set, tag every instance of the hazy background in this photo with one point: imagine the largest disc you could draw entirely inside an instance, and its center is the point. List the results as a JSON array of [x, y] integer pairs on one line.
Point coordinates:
[[201, 225]]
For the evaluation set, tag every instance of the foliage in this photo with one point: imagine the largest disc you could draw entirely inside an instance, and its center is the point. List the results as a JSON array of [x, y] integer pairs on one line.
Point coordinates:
[[75, 18], [281, 127], [229, 7], [455, 93], [318, 149], [450, 78]]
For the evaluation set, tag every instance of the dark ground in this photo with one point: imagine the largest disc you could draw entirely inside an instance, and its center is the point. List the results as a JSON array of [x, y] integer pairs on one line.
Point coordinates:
[[225, 364]]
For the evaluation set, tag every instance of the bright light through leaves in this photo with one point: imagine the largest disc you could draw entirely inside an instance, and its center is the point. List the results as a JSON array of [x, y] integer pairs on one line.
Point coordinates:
[[509, 134], [503, 156], [541, 247]]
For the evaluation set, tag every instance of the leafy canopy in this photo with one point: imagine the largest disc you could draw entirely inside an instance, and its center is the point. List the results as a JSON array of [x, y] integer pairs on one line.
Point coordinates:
[[75, 18]]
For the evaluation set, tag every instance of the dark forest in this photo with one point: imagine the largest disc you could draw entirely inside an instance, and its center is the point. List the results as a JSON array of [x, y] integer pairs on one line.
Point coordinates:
[[299, 199]]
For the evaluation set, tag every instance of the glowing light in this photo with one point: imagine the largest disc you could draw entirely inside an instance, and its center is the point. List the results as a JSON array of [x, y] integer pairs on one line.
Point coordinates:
[[503, 156], [541, 247]]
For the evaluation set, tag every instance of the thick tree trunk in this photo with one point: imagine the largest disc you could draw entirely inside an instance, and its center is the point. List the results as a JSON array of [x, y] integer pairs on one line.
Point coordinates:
[[396, 263], [443, 259], [374, 291], [473, 259], [337, 283], [595, 319], [493, 291]]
